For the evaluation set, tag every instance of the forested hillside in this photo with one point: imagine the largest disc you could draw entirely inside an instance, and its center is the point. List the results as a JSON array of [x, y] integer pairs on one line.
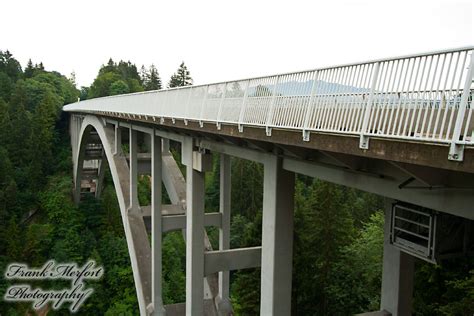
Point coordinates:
[[338, 237]]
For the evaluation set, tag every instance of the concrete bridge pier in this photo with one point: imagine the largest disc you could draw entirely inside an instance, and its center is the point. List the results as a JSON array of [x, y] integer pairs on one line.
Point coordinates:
[[398, 274], [274, 256], [277, 238], [224, 230], [194, 228], [156, 224]]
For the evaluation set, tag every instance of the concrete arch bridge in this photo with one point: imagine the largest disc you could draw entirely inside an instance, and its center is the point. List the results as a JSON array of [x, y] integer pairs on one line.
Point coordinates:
[[399, 127]]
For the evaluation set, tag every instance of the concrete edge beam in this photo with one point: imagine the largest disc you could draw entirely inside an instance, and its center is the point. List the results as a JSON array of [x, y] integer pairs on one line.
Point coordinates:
[[456, 202], [160, 133], [178, 222], [166, 210], [234, 151], [179, 309], [232, 259]]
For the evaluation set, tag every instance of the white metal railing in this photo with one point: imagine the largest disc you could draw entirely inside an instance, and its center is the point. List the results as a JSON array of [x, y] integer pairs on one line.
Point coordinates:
[[425, 97]]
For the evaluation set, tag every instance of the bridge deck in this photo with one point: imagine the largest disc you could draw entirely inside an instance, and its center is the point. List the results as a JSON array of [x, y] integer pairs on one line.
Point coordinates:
[[419, 99]]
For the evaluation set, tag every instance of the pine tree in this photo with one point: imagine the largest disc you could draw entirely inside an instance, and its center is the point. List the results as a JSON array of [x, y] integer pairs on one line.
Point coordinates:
[[72, 78], [8, 192], [143, 75], [30, 69], [181, 77], [106, 83], [6, 86], [20, 135], [323, 225], [361, 263], [153, 80], [42, 137], [247, 187], [110, 67], [5, 124], [128, 71], [13, 240], [10, 66]]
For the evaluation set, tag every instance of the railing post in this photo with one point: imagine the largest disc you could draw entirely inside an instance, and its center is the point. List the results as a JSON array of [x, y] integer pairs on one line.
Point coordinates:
[[456, 150], [268, 129], [203, 105], [364, 140], [310, 108], [242, 107], [218, 124]]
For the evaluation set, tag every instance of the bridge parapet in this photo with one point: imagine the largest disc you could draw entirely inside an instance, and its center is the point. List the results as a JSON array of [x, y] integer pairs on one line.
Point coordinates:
[[425, 97]]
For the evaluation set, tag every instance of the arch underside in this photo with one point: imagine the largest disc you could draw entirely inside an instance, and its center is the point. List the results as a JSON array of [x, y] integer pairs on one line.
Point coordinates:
[[93, 133]]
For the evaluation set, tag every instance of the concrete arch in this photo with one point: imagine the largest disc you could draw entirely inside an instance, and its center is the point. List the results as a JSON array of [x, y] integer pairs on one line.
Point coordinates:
[[135, 232]]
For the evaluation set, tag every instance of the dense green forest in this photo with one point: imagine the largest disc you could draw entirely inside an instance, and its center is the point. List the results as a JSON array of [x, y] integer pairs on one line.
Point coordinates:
[[338, 237]]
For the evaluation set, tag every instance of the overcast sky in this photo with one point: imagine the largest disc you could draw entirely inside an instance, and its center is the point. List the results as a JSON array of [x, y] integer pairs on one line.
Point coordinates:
[[226, 40]]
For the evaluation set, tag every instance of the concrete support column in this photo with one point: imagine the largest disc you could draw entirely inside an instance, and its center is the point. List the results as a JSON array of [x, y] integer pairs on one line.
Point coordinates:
[[397, 275], [77, 132], [224, 231], [166, 145], [78, 159], [73, 130], [277, 238], [118, 139], [194, 233], [133, 171], [74, 134], [147, 139], [156, 226]]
